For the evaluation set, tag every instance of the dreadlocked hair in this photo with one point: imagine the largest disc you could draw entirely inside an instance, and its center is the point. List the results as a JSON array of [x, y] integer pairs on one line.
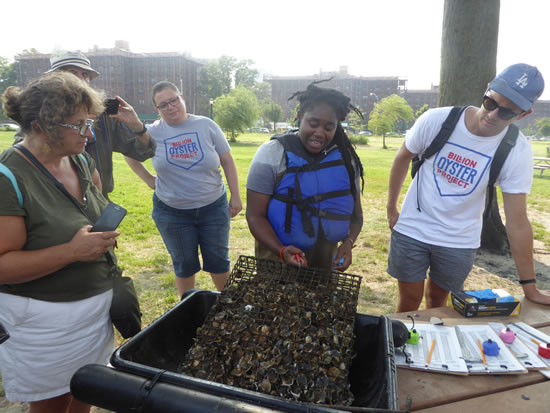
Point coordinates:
[[340, 103]]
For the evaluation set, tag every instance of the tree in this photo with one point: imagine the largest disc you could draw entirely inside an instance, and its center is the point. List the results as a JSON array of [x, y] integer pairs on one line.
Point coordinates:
[[244, 75], [272, 113], [468, 50], [263, 92], [468, 64], [293, 117], [227, 66], [7, 78], [543, 125], [387, 113], [529, 131], [217, 78], [236, 111], [421, 110], [355, 121]]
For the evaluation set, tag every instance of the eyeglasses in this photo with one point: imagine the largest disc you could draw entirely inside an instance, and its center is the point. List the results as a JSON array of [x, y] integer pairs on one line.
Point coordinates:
[[172, 102], [503, 113], [82, 129]]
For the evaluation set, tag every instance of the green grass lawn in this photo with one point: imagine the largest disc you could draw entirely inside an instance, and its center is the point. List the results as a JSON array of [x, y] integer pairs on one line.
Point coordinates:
[[143, 255]]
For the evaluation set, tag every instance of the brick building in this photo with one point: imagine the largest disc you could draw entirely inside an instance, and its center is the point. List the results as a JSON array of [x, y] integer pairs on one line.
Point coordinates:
[[541, 109], [419, 97], [364, 92], [126, 74]]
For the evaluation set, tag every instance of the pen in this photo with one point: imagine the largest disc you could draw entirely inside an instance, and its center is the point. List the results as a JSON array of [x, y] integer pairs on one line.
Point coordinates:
[[430, 353], [299, 259], [535, 341], [482, 352]]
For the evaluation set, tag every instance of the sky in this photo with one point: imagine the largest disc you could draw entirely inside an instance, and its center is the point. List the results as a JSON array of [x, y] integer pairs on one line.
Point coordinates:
[[283, 38]]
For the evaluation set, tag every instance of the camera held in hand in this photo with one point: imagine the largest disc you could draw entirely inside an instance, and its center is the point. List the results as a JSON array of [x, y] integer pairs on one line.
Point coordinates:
[[111, 106]]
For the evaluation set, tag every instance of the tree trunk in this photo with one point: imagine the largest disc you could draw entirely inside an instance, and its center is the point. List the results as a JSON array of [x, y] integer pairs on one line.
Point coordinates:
[[468, 63]]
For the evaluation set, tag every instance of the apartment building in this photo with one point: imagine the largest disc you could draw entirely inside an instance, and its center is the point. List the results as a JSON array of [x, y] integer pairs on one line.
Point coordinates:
[[126, 74]]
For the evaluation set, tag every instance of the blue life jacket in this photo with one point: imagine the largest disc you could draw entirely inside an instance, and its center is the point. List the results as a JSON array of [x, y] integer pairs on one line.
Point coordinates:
[[315, 189]]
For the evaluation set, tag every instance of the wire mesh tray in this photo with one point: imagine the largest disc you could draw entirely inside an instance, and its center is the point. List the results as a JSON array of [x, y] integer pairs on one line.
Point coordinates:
[[281, 330]]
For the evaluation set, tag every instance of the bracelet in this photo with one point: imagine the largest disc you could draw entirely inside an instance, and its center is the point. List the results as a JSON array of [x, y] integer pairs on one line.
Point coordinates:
[[531, 281], [141, 132], [281, 253], [350, 240]]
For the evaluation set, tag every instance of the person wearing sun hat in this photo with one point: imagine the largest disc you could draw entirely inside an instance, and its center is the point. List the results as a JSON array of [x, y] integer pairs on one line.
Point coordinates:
[[440, 222], [124, 132], [63, 59]]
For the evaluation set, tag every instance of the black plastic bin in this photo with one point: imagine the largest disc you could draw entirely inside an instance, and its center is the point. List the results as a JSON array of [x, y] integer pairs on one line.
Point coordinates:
[[152, 357]]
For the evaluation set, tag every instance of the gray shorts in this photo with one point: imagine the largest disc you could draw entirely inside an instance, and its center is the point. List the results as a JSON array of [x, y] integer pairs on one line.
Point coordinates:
[[409, 259]]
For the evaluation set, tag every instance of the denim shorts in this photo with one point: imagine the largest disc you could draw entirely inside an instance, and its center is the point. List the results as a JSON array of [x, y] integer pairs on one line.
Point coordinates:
[[185, 230], [409, 260]]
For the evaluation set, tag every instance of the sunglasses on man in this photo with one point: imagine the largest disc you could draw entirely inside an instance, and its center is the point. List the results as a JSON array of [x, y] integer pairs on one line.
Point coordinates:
[[503, 113]]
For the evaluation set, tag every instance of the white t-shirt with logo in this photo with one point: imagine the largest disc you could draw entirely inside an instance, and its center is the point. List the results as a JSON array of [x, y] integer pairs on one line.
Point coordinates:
[[187, 162], [452, 184]]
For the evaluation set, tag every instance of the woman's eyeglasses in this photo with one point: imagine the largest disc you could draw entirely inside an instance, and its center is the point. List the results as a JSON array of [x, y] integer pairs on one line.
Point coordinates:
[[82, 129], [503, 113], [172, 101]]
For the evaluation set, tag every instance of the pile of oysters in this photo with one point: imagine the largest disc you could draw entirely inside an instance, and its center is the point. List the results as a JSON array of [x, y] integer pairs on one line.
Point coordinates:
[[283, 331]]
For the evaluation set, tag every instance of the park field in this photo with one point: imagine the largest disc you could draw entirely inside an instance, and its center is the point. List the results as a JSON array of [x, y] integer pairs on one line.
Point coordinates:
[[143, 256]]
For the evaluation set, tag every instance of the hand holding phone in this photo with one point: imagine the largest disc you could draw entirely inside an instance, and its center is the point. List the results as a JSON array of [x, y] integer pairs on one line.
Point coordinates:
[[111, 106], [110, 218]]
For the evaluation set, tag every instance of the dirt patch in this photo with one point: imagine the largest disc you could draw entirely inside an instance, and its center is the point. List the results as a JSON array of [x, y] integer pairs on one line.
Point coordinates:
[[488, 265]]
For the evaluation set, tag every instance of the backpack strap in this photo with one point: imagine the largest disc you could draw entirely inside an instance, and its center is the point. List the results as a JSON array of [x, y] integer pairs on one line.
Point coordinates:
[[439, 141], [504, 148], [446, 130], [81, 155], [9, 174]]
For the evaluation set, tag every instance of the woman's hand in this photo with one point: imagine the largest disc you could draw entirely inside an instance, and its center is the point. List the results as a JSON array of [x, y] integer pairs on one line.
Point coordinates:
[[89, 246], [293, 255], [127, 115], [344, 251], [235, 205]]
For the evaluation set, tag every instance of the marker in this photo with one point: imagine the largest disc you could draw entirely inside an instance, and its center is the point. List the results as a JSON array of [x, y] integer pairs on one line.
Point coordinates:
[[430, 353], [482, 352], [299, 259]]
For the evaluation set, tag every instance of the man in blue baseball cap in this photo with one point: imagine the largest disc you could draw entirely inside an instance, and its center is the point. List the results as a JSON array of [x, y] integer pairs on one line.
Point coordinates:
[[439, 226]]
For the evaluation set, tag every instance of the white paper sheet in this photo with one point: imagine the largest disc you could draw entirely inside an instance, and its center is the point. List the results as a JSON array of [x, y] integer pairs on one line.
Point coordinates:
[[447, 355]]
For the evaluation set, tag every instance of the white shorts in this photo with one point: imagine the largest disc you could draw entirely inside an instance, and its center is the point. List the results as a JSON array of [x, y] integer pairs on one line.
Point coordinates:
[[50, 341]]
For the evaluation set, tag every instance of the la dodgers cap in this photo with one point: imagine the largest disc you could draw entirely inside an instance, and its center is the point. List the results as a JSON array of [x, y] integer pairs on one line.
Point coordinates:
[[520, 83]]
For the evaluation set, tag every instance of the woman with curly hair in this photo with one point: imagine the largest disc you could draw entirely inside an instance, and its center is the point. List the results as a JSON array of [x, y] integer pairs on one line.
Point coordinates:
[[303, 188], [55, 275]]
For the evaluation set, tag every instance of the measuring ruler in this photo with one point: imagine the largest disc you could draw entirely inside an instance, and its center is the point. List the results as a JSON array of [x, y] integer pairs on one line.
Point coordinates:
[[468, 357]]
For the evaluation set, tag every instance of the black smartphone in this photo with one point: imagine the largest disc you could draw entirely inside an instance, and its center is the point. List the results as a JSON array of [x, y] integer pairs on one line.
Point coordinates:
[[4, 335], [111, 106], [110, 218]]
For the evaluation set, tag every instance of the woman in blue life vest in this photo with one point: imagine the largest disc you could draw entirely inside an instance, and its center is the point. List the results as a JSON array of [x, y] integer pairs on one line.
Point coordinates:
[[303, 200]]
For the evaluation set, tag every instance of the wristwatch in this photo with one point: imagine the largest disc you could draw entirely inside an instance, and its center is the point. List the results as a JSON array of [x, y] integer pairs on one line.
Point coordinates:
[[141, 132]]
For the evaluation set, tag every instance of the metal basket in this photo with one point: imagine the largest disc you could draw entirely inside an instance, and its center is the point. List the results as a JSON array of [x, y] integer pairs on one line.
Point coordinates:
[[282, 330]]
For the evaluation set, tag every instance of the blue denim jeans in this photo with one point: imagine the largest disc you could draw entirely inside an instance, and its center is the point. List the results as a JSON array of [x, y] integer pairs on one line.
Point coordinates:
[[185, 230]]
